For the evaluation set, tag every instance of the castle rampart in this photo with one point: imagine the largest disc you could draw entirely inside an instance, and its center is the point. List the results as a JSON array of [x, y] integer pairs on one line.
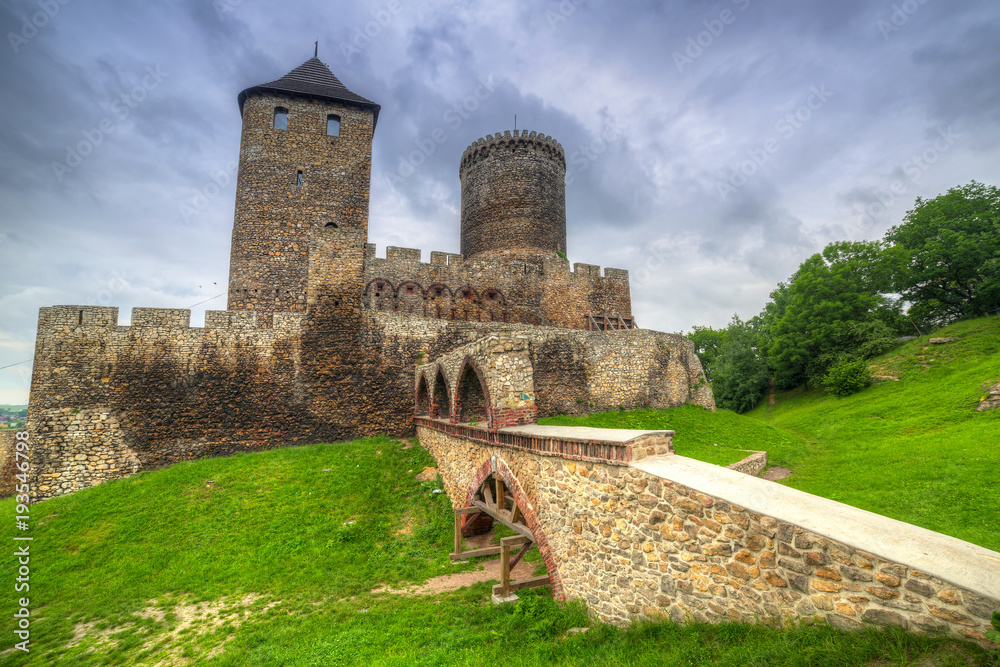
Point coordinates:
[[491, 288]]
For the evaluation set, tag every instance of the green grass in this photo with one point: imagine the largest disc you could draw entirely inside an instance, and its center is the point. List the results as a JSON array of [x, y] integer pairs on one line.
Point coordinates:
[[722, 437], [117, 570], [915, 450]]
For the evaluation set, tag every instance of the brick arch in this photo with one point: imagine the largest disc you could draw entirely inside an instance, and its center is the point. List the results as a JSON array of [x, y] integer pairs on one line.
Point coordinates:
[[379, 294], [460, 403], [439, 298], [410, 298], [493, 304], [422, 402], [466, 304], [498, 467], [440, 407]]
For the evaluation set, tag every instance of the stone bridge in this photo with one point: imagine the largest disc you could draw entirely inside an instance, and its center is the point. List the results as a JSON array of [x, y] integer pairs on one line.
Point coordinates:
[[638, 532]]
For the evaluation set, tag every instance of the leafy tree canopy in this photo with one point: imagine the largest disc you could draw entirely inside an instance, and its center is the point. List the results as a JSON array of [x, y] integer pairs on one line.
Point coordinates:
[[949, 255], [835, 304]]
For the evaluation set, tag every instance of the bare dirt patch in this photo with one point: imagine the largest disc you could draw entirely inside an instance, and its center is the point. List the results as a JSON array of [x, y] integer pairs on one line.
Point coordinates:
[[774, 473], [452, 582], [181, 621]]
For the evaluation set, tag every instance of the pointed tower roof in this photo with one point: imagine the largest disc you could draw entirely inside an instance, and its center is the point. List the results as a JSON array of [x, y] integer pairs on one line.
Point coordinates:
[[311, 79]]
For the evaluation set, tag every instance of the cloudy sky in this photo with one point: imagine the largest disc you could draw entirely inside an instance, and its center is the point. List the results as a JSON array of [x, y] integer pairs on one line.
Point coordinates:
[[712, 146]]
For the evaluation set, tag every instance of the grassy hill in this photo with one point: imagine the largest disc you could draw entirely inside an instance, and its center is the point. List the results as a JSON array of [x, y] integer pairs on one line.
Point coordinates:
[[271, 559], [912, 448]]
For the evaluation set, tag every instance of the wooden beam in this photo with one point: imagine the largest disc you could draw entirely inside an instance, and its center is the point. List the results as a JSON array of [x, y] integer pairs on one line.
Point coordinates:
[[458, 534], [530, 582], [475, 553], [501, 495], [515, 514], [504, 569], [518, 528], [488, 495], [467, 510], [523, 550]]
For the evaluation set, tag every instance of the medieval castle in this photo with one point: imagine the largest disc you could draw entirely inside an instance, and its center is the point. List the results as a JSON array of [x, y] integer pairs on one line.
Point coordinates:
[[321, 337], [323, 341]]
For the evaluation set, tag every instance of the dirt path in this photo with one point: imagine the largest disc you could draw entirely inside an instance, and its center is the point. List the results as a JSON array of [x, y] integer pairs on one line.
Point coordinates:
[[452, 582]]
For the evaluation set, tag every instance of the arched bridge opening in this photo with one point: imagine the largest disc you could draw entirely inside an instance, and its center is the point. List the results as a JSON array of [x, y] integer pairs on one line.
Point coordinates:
[[495, 496]]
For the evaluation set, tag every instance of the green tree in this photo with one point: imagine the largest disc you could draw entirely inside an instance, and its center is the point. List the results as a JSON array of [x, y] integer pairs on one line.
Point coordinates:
[[836, 304], [707, 343], [950, 255], [740, 373]]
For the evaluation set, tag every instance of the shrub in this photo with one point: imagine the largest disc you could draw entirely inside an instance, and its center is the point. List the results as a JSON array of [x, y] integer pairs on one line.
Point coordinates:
[[848, 376]]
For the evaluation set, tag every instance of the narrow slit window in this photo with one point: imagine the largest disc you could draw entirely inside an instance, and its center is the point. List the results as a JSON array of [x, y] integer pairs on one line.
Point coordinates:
[[332, 126], [298, 178], [280, 118]]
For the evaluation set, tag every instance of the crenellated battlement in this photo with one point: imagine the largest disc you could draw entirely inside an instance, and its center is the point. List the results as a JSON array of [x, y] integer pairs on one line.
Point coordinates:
[[408, 259], [104, 317], [485, 146]]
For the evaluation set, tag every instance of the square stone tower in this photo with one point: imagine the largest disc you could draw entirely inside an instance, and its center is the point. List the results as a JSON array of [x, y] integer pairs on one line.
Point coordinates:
[[304, 173]]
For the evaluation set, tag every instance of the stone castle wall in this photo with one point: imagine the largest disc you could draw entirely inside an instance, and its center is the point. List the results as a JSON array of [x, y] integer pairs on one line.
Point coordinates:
[[497, 288], [513, 195], [274, 216], [663, 537], [109, 400]]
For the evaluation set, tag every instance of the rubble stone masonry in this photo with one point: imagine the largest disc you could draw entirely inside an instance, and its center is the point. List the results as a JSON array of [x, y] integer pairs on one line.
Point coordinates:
[[662, 537]]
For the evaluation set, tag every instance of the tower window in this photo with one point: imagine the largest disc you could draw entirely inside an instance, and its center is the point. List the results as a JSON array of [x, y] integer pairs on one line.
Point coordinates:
[[332, 126], [298, 178], [280, 118]]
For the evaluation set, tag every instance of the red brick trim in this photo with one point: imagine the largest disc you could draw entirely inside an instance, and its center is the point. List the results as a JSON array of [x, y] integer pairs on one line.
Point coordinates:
[[504, 472]]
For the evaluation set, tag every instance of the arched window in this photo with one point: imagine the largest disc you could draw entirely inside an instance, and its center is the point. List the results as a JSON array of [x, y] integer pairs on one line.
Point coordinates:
[[471, 405], [298, 178], [280, 118], [332, 126]]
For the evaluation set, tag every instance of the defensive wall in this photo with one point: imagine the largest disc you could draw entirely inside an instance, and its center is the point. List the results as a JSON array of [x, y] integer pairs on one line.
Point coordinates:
[[109, 400], [501, 287]]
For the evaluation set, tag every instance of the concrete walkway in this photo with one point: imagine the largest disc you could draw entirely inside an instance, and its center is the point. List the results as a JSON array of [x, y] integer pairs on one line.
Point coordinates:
[[583, 433], [962, 563]]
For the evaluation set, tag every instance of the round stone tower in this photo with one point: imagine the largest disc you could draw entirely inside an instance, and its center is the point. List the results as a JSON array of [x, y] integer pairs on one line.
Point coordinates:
[[514, 196], [305, 169]]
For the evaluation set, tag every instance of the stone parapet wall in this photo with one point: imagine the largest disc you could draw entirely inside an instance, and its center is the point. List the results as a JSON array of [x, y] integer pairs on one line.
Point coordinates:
[[663, 538], [503, 286]]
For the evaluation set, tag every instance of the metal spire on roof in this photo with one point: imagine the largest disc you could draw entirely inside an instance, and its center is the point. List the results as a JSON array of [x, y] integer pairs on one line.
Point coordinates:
[[316, 52]]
